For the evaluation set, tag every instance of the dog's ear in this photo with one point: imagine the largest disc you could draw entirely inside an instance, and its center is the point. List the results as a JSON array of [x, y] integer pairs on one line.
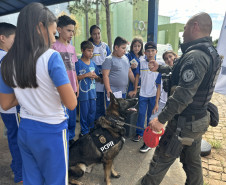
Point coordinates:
[[112, 98]]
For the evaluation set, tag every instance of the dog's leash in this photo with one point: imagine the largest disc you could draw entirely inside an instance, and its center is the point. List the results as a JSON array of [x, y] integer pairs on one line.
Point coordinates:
[[121, 120], [133, 126]]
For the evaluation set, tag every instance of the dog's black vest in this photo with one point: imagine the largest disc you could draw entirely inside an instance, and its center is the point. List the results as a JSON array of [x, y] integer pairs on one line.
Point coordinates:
[[103, 139]]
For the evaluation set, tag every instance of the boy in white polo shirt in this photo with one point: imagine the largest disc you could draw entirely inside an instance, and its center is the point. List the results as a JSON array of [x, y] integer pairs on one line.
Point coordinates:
[[149, 90]]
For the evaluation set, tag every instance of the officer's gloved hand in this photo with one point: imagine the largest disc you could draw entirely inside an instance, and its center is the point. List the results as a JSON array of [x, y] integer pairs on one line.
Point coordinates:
[[165, 84]]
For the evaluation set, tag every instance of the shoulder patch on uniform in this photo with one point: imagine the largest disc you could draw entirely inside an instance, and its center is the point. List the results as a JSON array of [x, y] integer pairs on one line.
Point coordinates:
[[189, 72], [188, 75]]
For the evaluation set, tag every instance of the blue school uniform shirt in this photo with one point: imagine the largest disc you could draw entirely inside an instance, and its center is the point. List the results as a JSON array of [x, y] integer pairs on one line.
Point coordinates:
[[43, 103], [131, 56], [87, 87], [12, 110]]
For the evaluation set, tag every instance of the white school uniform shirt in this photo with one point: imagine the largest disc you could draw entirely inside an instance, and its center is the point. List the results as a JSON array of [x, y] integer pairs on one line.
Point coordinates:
[[13, 109], [99, 54], [148, 86], [164, 95], [43, 103]]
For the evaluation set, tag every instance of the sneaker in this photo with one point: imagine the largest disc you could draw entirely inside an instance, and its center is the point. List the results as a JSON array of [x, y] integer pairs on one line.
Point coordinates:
[[144, 148], [136, 138]]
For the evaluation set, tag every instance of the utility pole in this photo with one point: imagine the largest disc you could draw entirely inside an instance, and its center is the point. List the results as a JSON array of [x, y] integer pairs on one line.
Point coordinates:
[[153, 6]]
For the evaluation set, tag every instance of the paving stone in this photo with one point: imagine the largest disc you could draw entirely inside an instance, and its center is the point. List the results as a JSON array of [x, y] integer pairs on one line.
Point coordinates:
[[205, 165], [219, 134], [214, 175], [206, 180], [209, 156], [215, 182], [210, 137], [204, 160], [215, 168], [214, 162], [224, 177], [219, 157], [217, 131], [205, 172]]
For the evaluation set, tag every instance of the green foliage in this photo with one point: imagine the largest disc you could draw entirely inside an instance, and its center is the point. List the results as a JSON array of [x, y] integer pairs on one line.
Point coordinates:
[[215, 144], [81, 6], [133, 2], [179, 44], [215, 42]]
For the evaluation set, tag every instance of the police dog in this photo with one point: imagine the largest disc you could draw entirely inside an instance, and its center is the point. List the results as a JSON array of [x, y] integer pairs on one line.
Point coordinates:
[[103, 144]]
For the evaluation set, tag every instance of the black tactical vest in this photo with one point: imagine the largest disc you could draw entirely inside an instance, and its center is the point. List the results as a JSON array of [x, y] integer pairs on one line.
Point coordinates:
[[206, 88]]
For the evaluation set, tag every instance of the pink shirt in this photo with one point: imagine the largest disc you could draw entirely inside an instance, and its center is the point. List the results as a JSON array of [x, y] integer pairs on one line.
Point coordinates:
[[69, 57]]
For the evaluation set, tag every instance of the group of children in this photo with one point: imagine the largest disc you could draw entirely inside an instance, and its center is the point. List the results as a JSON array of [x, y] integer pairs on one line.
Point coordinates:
[[40, 80]]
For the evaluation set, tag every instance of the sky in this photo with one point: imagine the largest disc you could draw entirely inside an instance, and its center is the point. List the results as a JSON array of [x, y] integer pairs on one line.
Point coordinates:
[[180, 11]]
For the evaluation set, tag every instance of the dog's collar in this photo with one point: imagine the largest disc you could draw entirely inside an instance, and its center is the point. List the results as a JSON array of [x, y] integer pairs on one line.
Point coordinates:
[[119, 121], [114, 119]]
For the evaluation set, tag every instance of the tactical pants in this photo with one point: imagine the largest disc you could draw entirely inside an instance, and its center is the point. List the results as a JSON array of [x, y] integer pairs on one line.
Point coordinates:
[[189, 157]]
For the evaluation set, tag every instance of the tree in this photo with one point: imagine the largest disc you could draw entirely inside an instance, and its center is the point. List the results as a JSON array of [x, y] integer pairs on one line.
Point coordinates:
[[97, 13], [108, 22], [85, 7], [82, 7], [215, 42], [107, 4]]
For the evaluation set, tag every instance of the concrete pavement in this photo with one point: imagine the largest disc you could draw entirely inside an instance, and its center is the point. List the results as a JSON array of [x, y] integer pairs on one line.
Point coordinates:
[[130, 163]]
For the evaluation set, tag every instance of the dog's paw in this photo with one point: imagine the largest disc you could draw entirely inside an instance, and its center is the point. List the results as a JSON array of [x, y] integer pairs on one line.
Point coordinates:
[[115, 175], [75, 182]]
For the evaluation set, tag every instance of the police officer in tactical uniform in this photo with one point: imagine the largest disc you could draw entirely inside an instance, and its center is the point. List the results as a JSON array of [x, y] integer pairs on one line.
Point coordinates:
[[192, 82]]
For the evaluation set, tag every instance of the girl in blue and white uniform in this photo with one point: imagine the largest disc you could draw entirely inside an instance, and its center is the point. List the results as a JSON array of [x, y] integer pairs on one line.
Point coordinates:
[[34, 76], [134, 56], [100, 52]]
